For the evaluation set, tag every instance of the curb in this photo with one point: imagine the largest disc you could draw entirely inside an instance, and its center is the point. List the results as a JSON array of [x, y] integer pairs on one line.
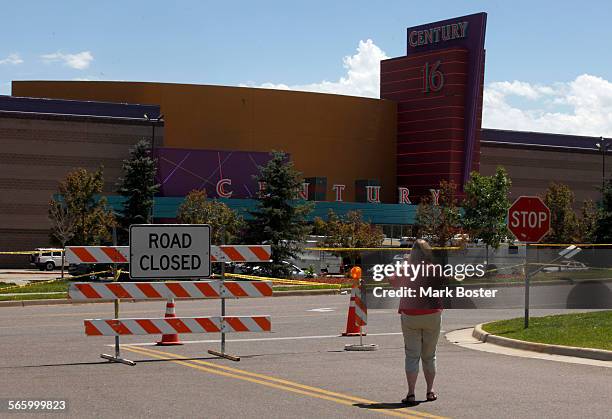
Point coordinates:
[[25, 303], [599, 354]]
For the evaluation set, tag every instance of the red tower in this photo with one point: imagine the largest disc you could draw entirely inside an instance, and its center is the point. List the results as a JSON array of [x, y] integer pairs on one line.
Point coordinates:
[[438, 90]]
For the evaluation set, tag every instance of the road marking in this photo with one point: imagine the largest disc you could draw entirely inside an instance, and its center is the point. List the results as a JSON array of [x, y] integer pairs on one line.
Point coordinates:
[[266, 339], [277, 383], [322, 309]]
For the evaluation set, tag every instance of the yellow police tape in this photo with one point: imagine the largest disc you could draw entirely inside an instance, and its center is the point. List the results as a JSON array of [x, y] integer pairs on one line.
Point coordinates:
[[567, 245], [281, 280], [585, 268], [382, 249], [32, 252]]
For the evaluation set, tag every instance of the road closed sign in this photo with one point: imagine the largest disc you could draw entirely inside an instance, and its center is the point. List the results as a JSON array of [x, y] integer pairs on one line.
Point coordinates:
[[529, 219], [169, 251]]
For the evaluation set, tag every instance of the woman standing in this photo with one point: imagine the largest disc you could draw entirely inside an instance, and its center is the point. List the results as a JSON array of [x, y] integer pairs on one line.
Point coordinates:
[[421, 321]]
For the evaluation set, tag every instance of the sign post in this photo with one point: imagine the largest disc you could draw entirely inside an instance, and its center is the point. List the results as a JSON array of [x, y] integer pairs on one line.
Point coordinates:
[[529, 221], [222, 353]]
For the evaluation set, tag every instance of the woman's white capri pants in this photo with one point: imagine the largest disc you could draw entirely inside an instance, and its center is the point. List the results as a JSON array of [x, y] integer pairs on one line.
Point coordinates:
[[420, 340]]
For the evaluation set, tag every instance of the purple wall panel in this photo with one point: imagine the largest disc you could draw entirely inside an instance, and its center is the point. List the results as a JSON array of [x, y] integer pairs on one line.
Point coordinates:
[[183, 170]]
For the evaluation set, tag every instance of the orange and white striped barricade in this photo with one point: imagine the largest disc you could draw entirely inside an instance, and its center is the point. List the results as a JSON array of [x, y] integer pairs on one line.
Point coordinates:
[[97, 254], [80, 291], [164, 325], [358, 314], [210, 289], [218, 254], [121, 254]]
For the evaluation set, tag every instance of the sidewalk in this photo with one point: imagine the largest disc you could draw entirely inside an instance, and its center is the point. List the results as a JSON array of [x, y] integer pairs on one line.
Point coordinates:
[[464, 339]]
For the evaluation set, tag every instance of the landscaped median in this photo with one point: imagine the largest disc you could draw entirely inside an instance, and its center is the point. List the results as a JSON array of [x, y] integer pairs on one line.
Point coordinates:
[[583, 335]]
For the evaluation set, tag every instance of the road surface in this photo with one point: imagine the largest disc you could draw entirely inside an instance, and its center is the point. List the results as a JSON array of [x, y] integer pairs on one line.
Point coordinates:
[[298, 371]]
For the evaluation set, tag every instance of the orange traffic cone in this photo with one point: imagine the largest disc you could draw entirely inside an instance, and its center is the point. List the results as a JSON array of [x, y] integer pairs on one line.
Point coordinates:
[[173, 339], [352, 329], [351, 322]]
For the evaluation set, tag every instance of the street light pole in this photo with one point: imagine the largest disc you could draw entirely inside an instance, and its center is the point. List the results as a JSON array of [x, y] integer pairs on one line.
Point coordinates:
[[153, 121], [603, 146]]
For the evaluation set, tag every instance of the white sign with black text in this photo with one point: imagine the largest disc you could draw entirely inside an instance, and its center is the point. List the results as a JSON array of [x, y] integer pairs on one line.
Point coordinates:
[[169, 251]]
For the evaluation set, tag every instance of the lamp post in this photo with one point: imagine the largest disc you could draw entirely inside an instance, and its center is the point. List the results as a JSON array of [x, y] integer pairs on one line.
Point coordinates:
[[603, 146], [153, 121]]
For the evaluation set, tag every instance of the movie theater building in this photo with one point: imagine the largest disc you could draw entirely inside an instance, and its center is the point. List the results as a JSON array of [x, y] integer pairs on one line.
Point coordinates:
[[376, 155]]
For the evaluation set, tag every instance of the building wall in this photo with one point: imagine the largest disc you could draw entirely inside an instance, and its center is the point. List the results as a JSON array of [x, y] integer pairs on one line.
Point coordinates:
[[342, 138], [532, 169], [37, 153]]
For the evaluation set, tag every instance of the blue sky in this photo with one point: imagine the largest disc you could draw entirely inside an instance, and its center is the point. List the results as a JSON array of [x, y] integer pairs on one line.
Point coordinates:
[[548, 63]]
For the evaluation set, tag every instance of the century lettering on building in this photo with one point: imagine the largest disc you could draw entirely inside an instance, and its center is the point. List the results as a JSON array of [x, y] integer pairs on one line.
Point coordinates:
[[438, 34], [372, 192]]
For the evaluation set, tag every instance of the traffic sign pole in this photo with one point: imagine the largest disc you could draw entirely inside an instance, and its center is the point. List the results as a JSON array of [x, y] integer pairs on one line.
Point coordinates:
[[526, 322], [529, 221]]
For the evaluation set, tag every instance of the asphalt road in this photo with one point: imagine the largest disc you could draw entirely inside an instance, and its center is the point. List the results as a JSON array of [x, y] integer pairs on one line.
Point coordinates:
[[300, 370]]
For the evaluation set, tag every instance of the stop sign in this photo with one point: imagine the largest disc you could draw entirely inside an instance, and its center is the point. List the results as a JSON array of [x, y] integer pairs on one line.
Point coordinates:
[[529, 219]]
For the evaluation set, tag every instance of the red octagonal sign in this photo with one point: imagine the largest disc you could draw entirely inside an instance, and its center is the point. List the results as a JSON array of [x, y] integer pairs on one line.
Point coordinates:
[[529, 219]]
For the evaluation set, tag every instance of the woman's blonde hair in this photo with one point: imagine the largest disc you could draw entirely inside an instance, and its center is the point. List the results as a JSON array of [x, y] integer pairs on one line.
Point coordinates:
[[421, 252]]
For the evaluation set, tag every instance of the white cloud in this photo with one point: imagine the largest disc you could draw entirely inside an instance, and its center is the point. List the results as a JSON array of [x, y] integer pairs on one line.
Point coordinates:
[[582, 106], [362, 75], [79, 61], [12, 59]]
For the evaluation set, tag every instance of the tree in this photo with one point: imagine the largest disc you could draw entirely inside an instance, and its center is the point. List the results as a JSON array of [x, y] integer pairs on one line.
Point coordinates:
[[224, 223], [63, 224], [563, 221], [589, 218], [138, 187], [439, 223], [485, 207], [318, 227], [80, 194], [603, 233], [279, 219], [350, 231]]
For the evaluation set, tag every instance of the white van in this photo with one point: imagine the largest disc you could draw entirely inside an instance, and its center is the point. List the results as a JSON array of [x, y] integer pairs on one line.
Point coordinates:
[[47, 258]]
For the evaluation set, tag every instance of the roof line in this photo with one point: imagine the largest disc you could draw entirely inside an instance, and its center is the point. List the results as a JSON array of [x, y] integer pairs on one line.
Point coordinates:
[[538, 145]]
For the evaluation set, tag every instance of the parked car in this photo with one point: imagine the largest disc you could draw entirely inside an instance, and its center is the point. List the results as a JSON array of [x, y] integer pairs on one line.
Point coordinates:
[[295, 271], [407, 241], [567, 265], [47, 258]]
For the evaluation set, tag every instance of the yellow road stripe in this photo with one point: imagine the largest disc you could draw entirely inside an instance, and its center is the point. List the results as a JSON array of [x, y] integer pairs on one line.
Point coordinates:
[[265, 383], [283, 384]]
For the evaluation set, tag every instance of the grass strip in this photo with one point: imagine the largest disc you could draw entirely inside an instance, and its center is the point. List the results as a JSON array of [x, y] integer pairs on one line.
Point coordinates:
[[35, 287], [33, 297], [586, 330]]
